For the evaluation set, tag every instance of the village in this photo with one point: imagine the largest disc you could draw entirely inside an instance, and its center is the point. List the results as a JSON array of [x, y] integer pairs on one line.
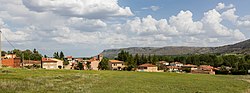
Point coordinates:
[[11, 60]]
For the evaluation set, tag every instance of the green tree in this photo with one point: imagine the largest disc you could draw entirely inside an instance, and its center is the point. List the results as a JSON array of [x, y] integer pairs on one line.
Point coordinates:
[[103, 65], [61, 55], [3, 53], [55, 55]]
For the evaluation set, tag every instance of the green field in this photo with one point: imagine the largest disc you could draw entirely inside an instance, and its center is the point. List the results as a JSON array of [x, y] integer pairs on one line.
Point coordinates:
[[48, 81]]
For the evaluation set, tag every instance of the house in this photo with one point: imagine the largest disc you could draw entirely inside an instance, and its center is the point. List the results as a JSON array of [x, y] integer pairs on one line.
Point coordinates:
[[11, 60], [147, 68], [189, 67], [51, 63], [204, 69], [116, 65], [178, 64], [94, 62], [7, 56], [59, 63], [174, 69], [164, 63]]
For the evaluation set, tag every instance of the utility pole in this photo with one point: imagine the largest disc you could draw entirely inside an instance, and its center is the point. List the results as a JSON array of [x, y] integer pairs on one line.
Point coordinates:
[[0, 48]]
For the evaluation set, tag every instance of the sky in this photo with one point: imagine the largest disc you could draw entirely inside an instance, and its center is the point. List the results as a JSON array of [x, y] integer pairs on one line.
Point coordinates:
[[84, 28]]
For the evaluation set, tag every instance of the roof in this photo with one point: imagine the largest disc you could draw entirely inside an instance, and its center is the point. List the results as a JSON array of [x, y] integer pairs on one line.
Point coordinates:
[[69, 57], [48, 60], [147, 65], [206, 67], [189, 65], [31, 62], [115, 61]]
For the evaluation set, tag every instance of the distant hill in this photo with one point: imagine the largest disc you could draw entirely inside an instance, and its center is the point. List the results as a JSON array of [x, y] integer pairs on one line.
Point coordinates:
[[238, 48]]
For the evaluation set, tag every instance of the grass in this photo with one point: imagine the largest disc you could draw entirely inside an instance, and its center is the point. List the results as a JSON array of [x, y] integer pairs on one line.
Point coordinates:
[[68, 81]]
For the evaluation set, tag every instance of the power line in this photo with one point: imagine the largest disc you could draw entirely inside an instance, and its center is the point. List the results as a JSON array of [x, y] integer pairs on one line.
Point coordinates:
[[8, 41]]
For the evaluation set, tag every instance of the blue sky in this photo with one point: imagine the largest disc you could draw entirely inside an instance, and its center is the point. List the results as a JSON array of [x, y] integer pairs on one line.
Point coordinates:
[[172, 7], [87, 27]]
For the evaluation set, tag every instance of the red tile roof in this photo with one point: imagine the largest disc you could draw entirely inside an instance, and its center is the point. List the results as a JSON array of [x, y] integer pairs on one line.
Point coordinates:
[[206, 67], [147, 65], [69, 57], [115, 61], [47, 60]]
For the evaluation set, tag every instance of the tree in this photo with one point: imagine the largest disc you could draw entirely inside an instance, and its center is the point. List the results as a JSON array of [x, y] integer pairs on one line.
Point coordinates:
[[137, 59], [3, 53], [45, 56], [35, 51], [103, 65], [55, 55], [61, 55]]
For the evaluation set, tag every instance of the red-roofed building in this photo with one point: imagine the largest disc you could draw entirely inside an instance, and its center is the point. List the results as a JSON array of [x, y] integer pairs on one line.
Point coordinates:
[[204, 69], [51, 63], [147, 68]]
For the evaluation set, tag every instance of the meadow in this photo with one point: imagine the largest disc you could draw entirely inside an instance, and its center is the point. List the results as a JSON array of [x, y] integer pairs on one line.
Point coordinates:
[[76, 81]]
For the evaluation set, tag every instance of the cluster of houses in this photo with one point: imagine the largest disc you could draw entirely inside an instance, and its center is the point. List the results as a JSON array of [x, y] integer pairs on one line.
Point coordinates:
[[11, 60], [180, 67]]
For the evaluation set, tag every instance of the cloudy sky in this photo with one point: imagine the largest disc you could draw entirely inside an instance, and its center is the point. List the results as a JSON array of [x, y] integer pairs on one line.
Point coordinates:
[[86, 27]]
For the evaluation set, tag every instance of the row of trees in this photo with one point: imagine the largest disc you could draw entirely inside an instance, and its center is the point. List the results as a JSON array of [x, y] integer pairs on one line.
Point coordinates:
[[60, 56], [26, 54], [238, 62]]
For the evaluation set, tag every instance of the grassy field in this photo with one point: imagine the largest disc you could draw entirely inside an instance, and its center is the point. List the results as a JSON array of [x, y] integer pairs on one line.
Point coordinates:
[[48, 81]]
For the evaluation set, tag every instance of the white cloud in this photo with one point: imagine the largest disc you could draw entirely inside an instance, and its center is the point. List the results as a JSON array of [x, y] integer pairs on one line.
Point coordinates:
[[12, 36], [212, 22], [153, 8], [221, 6], [75, 25], [148, 26], [184, 23], [230, 15], [244, 22], [86, 24], [79, 8]]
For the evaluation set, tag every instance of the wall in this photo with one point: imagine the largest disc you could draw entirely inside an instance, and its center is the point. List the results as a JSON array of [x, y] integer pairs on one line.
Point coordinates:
[[94, 65], [12, 62], [50, 65]]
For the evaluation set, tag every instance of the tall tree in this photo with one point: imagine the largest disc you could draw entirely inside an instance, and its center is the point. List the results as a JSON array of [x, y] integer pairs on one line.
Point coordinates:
[[61, 55]]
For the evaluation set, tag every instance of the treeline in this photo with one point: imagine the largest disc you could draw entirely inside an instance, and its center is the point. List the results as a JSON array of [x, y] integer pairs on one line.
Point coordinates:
[[26, 54], [237, 62]]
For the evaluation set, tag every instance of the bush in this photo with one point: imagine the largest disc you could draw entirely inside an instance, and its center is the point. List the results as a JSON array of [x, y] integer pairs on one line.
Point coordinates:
[[225, 72], [239, 72], [188, 70]]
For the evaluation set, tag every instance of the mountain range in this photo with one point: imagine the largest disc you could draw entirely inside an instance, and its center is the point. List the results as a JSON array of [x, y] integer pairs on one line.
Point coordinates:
[[238, 48]]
